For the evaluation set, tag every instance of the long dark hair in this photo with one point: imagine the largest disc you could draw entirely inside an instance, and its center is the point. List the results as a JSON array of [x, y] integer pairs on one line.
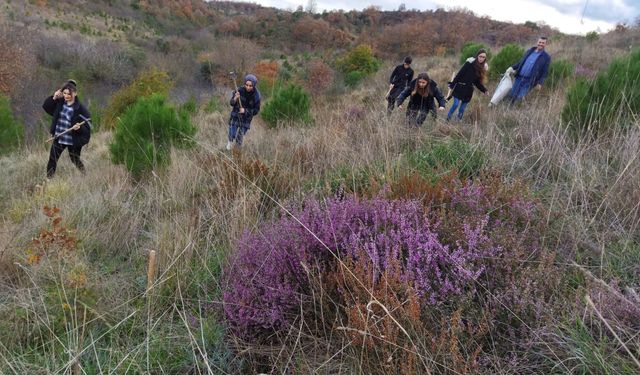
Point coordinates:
[[481, 72], [426, 91]]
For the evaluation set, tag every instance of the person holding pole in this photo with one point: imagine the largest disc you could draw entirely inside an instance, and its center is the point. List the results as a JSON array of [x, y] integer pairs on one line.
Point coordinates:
[[70, 126], [245, 103], [400, 78]]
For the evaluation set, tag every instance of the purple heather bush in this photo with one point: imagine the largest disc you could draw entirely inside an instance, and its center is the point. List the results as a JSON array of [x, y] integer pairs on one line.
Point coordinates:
[[441, 253]]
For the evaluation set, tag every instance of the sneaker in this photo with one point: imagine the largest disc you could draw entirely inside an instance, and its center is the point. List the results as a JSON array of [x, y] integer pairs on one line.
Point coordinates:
[[229, 145]]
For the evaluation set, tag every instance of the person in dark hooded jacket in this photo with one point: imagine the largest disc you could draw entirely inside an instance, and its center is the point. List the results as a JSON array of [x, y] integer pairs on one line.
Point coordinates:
[[400, 78], [422, 92], [245, 101], [70, 126], [472, 73]]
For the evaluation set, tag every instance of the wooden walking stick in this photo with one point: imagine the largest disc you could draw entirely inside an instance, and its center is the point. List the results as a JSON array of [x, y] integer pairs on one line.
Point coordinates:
[[235, 86]]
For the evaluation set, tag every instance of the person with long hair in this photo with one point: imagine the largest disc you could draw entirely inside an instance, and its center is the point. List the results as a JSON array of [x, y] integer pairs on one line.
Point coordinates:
[[422, 93], [70, 126], [472, 73]]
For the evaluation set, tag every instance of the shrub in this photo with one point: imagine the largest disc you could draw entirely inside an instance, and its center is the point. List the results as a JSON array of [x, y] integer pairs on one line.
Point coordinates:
[[508, 55], [559, 71], [358, 63], [267, 73], [146, 84], [291, 103], [11, 131], [448, 155], [440, 252], [607, 102], [470, 49], [319, 77], [592, 36], [145, 134]]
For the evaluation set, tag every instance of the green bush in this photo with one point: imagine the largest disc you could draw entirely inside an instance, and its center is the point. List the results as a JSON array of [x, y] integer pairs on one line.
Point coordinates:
[[508, 55], [353, 78], [146, 84], [291, 103], [470, 49], [11, 131], [559, 71], [146, 132], [358, 63], [443, 156], [607, 102], [592, 36]]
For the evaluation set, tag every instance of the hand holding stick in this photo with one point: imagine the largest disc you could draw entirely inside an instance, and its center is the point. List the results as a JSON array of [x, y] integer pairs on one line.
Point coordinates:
[[74, 127]]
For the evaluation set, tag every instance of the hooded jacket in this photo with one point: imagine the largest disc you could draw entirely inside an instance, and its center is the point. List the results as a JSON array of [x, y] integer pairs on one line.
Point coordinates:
[[54, 106], [464, 81], [250, 102], [421, 103]]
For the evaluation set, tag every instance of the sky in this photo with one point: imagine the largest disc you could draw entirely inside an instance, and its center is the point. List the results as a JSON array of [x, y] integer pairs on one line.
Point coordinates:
[[568, 16]]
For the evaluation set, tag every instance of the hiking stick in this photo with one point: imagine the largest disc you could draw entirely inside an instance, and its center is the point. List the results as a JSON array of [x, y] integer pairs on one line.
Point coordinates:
[[235, 86], [66, 131]]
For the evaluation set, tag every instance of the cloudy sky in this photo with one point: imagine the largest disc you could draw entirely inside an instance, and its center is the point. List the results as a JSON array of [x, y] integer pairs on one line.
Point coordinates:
[[569, 16]]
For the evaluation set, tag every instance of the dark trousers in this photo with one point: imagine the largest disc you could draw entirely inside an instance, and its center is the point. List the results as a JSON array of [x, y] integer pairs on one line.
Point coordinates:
[[56, 151]]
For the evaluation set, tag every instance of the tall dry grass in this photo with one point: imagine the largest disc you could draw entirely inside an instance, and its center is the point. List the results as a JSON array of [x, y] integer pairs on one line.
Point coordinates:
[[193, 213]]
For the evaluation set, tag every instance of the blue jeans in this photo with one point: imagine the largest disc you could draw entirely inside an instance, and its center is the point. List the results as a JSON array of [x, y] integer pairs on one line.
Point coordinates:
[[237, 130], [520, 88], [463, 105]]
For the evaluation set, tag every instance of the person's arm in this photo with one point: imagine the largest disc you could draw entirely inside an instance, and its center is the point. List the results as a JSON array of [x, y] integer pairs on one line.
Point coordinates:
[[392, 78], [235, 96], [478, 83], [460, 73], [410, 75], [519, 64], [403, 95], [543, 72], [256, 107], [51, 102], [439, 97]]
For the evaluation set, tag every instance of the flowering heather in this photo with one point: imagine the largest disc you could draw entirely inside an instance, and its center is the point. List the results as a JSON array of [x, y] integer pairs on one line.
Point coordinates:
[[268, 280]]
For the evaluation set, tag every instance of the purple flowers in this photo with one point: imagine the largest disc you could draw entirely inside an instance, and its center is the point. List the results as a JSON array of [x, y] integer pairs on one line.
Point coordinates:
[[268, 277]]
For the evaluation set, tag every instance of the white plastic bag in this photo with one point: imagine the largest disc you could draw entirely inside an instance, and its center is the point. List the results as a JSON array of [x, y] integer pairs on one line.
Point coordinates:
[[503, 88]]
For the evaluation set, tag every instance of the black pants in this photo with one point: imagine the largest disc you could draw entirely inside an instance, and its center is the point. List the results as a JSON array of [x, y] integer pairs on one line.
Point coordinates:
[[56, 151]]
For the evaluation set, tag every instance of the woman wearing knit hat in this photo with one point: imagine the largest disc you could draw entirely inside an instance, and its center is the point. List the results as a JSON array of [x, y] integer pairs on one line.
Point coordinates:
[[246, 104]]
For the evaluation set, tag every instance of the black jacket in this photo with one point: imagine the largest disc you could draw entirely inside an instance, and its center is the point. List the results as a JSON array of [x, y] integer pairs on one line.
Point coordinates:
[[400, 77], [53, 107], [250, 102], [464, 81], [421, 103]]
